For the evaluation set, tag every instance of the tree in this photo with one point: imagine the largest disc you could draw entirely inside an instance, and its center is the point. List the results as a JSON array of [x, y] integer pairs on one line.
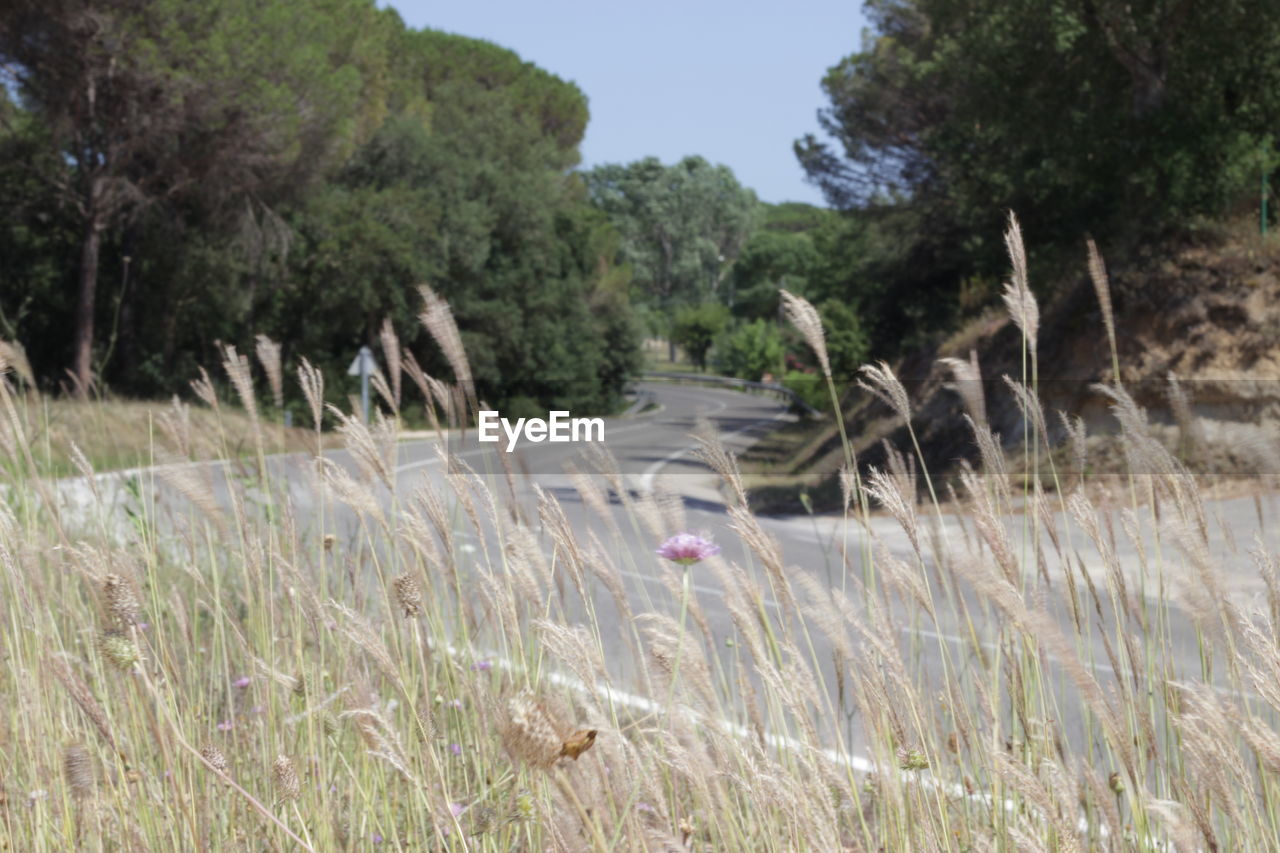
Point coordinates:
[[847, 343], [696, 327], [682, 226], [1084, 114], [1109, 117], [152, 102], [770, 261]]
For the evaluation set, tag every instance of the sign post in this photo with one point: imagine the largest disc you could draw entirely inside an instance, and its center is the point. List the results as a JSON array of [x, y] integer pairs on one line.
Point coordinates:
[[363, 366]]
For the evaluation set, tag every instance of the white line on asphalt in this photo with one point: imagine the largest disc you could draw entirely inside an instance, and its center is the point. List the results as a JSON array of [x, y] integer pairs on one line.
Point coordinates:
[[650, 473]]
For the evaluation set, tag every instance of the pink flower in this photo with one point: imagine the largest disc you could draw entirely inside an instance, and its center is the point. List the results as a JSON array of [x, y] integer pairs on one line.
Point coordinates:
[[687, 549], [241, 682], [457, 809], [225, 726]]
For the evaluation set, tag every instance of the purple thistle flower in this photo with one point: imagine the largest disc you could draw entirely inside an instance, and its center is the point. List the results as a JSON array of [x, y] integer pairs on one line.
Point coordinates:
[[482, 666], [687, 549], [455, 748], [377, 838]]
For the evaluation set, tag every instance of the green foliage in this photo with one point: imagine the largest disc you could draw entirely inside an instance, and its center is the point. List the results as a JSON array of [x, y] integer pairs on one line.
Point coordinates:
[[847, 343], [809, 386], [771, 260], [349, 159], [682, 226], [696, 327], [1116, 118], [750, 351]]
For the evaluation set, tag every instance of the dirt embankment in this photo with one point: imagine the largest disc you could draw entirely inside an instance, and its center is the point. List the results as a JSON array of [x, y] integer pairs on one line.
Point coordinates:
[[1206, 313]]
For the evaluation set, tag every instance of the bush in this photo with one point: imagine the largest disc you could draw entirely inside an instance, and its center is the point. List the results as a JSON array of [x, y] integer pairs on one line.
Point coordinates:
[[751, 351], [809, 387]]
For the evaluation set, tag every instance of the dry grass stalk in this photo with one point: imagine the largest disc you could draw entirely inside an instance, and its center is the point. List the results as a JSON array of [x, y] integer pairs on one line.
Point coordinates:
[[175, 423], [968, 384], [718, 458], [269, 357], [203, 388], [312, 382], [801, 314], [379, 383], [83, 697], [438, 320], [1018, 297], [14, 357], [887, 387], [1102, 287], [426, 387], [391, 351], [237, 367]]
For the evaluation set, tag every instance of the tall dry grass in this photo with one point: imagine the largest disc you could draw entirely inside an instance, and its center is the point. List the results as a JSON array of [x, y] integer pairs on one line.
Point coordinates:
[[332, 656]]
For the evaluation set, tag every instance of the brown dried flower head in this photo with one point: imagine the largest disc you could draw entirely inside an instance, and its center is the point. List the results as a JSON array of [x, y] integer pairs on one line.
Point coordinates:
[[409, 594], [77, 764], [530, 733], [216, 759], [286, 778], [122, 605]]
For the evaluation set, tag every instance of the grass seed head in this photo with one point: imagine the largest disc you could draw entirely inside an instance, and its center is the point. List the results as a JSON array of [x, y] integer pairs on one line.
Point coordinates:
[[530, 733], [122, 605], [77, 764], [285, 777], [216, 759], [408, 594], [120, 650]]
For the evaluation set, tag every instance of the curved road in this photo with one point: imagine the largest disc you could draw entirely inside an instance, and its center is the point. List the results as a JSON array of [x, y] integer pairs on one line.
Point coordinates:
[[653, 450]]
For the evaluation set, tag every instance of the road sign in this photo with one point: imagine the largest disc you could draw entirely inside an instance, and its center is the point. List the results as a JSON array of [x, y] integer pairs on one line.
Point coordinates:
[[363, 365]]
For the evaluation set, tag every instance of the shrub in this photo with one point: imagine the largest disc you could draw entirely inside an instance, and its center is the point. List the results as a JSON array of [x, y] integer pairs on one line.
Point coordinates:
[[751, 350]]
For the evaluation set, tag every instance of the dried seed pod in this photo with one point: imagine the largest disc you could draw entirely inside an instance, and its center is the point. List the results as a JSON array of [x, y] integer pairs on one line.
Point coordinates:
[[530, 732], [286, 778], [77, 764], [408, 594], [120, 650], [216, 759], [122, 604]]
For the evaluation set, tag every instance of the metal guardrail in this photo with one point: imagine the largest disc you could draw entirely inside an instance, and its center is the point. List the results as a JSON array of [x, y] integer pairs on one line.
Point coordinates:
[[739, 384]]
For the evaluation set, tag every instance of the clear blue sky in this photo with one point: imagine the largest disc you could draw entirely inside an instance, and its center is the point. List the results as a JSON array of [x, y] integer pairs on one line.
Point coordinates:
[[736, 82]]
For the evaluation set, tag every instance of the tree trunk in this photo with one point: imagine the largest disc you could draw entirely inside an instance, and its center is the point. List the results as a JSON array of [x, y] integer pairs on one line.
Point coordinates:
[[82, 367]]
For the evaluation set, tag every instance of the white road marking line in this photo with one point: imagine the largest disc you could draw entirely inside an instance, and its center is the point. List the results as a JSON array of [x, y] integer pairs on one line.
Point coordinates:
[[650, 473]]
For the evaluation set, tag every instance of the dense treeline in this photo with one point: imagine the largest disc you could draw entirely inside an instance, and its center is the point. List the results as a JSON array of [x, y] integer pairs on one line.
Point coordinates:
[[180, 175], [1123, 119]]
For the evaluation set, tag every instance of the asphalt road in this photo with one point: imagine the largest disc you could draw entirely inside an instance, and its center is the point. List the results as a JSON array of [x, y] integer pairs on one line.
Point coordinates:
[[653, 450]]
